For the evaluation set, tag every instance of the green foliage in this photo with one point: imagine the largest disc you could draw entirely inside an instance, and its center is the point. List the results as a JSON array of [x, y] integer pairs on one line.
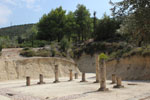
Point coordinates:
[[70, 26], [27, 53], [106, 28], [37, 43], [103, 56], [1, 47], [51, 26], [15, 30], [65, 44], [6, 42], [43, 53], [84, 22], [136, 22]]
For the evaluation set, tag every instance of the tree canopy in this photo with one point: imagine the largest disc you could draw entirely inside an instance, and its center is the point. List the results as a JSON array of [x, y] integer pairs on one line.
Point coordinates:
[[51, 26], [136, 14]]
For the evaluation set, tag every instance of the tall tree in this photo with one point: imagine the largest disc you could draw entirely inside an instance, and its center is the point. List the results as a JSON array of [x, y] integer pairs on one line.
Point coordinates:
[[51, 26], [137, 18], [70, 26], [83, 21], [106, 28]]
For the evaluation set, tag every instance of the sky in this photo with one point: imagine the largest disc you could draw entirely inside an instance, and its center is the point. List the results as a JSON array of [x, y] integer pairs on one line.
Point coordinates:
[[16, 12]]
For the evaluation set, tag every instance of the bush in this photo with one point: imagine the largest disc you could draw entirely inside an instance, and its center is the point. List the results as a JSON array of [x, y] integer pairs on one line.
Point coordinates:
[[43, 53], [36, 43], [28, 53], [64, 44], [103, 56], [1, 48]]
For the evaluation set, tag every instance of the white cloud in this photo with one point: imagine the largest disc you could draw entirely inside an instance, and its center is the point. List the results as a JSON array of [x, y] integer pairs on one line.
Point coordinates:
[[29, 1], [30, 4], [5, 12], [12, 2]]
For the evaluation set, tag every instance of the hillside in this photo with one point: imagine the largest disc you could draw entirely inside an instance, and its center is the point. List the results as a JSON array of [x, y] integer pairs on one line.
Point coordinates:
[[15, 30]]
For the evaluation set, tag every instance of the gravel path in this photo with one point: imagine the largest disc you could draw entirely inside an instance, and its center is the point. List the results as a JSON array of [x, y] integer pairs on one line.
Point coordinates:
[[16, 95], [19, 96], [70, 97], [145, 96]]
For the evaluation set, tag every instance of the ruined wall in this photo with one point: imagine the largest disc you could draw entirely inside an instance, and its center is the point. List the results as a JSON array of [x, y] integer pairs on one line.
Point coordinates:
[[19, 69], [130, 68]]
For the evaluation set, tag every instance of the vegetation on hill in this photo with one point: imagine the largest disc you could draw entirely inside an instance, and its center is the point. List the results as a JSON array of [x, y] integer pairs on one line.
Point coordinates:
[[123, 34], [17, 30]]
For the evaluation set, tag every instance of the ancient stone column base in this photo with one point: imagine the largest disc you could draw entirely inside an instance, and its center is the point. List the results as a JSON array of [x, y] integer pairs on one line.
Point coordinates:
[[41, 83], [56, 81], [70, 80], [113, 83], [103, 89], [27, 81], [83, 81], [118, 86], [96, 81], [76, 75]]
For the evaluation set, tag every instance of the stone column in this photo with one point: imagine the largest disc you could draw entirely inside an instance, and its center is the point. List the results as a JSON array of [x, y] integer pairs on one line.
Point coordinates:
[[113, 79], [56, 74], [119, 83], [76, 75], [97, 69], [71, 75], [83, 77], [27, 81], [103, 76], [41, 79]]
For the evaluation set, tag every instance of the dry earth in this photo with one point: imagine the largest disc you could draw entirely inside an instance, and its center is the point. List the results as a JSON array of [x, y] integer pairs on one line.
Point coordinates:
[[65, 90], [75, 90]]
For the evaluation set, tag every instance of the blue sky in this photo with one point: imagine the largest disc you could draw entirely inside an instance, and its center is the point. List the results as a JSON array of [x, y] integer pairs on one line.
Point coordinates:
[[18, 12]]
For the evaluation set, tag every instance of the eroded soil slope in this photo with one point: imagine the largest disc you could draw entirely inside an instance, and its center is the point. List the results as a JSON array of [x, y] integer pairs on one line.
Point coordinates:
[[13, 66]]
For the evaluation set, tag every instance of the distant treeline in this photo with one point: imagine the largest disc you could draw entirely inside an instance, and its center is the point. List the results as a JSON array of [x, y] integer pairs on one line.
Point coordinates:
[[17, 30]]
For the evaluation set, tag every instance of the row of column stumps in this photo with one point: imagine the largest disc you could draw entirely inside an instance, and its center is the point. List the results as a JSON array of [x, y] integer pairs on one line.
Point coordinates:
[[102, 78], [56, 77]]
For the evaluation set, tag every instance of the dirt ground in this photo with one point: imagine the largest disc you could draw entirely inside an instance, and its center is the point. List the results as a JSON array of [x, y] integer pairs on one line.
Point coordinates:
[[74, 90]]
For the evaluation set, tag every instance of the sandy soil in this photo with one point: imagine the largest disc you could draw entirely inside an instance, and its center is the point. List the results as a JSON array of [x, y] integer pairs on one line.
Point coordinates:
[[11, 54], [74, 90]]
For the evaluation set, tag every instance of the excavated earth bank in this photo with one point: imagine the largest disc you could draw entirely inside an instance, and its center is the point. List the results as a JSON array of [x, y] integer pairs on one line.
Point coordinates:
[[13, 67], [129, 68]]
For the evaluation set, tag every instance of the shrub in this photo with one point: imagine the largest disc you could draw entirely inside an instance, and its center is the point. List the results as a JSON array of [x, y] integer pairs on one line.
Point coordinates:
[[1, 48], [103, 56], [36, 43], [43, 53], [64, 44], [27, 53], [146, 52]]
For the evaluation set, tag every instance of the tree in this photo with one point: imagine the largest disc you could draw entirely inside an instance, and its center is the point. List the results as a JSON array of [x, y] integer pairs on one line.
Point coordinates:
[[51, 26], [70, 26], [106, 28], [136, 22], [65, 44], [31, 34], [83, 21]]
